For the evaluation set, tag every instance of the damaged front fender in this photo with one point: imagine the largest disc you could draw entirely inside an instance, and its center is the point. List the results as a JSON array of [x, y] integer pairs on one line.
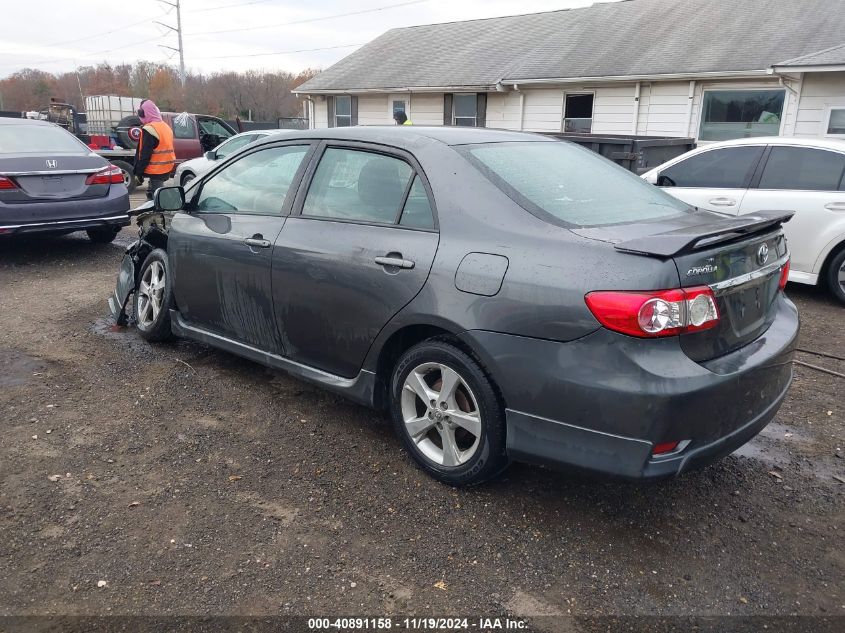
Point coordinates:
[[125, 286], [153, 226]]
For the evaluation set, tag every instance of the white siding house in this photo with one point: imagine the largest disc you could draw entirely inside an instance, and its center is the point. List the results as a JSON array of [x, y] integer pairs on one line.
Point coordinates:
[[713, 73]]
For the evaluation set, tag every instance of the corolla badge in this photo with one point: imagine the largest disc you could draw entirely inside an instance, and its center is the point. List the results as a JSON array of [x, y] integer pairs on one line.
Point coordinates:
[[706, 269], [763, 254], [52, 164]]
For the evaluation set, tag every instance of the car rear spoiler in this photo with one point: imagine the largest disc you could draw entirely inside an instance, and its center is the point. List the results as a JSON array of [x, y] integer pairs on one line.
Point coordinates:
[[687, 239]]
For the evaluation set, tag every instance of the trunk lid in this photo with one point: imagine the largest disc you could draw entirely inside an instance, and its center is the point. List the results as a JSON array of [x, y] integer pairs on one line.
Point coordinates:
[[51, 177], [738, 258]]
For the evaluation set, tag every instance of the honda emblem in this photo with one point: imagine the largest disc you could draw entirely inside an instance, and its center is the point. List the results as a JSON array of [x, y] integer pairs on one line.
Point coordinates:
[[52, 164]]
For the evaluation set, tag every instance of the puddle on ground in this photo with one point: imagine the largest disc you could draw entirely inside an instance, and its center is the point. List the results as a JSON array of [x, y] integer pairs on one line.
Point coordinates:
[[779, 446], [765, 454], [16, 368], [128, 336]]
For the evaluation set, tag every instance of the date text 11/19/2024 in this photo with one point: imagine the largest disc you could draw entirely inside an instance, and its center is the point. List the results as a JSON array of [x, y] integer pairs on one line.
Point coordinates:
[[481, 624]]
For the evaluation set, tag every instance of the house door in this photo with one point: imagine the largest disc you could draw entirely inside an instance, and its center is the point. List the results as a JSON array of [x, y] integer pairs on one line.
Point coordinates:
[[399, 103]]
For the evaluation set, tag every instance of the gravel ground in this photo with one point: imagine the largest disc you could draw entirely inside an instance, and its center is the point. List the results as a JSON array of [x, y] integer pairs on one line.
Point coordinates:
[[176, 479]]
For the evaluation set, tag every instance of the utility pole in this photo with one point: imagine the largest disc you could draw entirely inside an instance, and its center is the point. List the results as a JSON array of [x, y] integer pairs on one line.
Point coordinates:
[[178, 31]]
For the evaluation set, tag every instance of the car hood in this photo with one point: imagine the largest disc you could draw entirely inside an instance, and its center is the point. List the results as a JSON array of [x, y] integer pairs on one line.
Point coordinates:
[[196, 165]]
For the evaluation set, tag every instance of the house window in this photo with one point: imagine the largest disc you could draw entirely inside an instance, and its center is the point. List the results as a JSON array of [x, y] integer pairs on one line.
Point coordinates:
[[399, 106], [578, 113], [343, 111], [836, 122], [465, 110], [729, 114]]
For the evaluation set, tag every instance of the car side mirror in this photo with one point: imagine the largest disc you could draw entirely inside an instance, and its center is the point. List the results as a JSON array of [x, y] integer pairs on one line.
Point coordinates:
[[211, 155], [665, 181], [169, 199]]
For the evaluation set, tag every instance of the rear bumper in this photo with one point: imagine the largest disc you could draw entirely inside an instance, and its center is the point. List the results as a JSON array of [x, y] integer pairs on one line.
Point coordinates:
[[602, 402], [64, 216], [64, 226]]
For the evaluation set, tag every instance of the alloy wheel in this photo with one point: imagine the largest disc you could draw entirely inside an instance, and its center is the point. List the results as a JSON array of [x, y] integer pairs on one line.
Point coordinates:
[[151, 293], [441, 414], [841, 277]]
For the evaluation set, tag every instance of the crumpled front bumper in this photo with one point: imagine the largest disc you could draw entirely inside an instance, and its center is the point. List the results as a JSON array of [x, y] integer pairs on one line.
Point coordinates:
[[124, 287]]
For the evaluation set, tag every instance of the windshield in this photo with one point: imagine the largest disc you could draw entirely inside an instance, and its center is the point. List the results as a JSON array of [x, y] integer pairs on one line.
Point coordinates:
[[39, 139], [565, 183]]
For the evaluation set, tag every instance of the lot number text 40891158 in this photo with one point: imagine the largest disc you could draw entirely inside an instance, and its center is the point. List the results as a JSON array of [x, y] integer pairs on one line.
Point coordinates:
[[417, 624]]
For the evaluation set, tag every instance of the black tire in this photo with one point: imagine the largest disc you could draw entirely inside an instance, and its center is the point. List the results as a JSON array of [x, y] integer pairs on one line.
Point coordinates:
[[154, 328], [837, 286], [489, 457], [103, 235], [128, 174], [187, 177], [123, 131]]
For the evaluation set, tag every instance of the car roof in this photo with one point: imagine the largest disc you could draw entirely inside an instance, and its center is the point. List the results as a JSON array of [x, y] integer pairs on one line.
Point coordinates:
[[14, 121], [262, 132], [830, 143], [407, 136]]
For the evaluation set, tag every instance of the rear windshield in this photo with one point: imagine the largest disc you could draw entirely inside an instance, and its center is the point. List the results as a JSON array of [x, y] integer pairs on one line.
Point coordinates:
[[567, 184], [39, 139]]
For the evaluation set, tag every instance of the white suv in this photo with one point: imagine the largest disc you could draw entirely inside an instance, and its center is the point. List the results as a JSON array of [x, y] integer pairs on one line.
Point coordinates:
[[805, 175]]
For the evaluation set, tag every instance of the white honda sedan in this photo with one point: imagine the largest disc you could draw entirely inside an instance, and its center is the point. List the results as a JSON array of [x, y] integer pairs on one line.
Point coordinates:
[[805, 175]]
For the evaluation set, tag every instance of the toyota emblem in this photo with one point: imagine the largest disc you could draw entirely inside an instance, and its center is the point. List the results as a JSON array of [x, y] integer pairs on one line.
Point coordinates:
[[762, 254]]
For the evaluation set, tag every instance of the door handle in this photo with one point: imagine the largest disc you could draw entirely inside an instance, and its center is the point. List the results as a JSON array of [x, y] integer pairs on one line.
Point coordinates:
[[257, 242], [396, 262], [835, 206], [723, 202]]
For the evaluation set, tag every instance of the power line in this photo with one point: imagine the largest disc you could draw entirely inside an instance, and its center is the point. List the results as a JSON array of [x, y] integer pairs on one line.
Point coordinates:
[[307, 20], [303, 50], [93, 35], [228, 6], [55, 60]]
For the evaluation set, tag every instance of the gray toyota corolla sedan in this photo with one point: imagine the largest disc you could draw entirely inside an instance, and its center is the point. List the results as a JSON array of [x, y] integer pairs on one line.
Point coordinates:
[[503, 295], [51, 182]]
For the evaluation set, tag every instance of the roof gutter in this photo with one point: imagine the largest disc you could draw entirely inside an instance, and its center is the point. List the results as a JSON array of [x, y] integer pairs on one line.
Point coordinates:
[[664, 77], [338, 91], [829, 68], [730, 74]]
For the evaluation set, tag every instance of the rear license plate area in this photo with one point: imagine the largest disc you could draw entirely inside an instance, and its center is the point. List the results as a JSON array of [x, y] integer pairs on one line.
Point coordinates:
[[747, 307], [53, 184]]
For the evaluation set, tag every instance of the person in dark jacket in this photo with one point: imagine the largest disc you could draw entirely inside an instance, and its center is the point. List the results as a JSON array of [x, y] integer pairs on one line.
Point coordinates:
[[155, 157]]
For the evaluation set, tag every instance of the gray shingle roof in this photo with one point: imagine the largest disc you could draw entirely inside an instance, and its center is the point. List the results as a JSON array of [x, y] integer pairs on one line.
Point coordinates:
[[633, 37], [829, 57]]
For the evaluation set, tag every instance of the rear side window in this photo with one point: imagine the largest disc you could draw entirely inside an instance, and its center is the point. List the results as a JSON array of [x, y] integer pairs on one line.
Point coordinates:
[[803, 169], [184, 127], [727, 168], [568, 184], [39, 139], [356, 185], [417, 211]]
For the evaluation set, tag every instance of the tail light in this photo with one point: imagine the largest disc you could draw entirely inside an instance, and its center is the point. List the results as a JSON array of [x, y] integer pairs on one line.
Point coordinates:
[[7, 184], [653, 314], [110, 175], [784, 275]]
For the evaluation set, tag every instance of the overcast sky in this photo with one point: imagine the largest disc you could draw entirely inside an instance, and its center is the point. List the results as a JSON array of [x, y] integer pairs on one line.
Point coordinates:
[[59, 35]]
